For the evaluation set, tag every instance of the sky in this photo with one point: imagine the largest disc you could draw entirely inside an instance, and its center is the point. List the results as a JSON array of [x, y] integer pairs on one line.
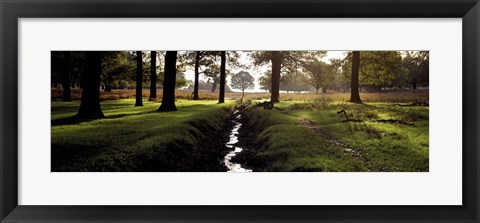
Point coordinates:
[[257, 72]]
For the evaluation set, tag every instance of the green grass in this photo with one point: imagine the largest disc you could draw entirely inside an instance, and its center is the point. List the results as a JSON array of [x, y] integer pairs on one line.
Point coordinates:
[[135, 138], [192, 139], [285, 144]]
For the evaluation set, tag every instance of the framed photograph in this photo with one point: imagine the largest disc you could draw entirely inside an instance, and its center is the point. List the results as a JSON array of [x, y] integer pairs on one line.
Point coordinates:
[[227, 111]]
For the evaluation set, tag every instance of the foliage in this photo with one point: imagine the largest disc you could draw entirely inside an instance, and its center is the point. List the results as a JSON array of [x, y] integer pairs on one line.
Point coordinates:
[[387, 69], [417, 69], [293, 83], [243, 81], [77, 59], [288, 82]]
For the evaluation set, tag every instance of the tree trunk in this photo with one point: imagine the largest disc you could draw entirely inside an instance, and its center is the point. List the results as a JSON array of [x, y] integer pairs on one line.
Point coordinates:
[[168, 98], [214, 87], [67, 93], [90, 103], [324, 90], [197, 74], [276, 66], [221, 97], [316, 90], [355, 95], [108, 83], [153, 76], [243, 94], [138, 93]]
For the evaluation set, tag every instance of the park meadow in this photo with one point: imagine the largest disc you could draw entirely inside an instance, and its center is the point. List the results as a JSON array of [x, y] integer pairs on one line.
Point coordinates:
[[239, 111]]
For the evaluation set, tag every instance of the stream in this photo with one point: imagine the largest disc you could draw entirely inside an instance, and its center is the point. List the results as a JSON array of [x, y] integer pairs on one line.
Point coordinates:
[[234, 167]]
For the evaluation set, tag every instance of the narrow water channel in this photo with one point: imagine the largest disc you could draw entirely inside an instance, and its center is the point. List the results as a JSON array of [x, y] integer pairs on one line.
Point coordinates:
[[234, 167]]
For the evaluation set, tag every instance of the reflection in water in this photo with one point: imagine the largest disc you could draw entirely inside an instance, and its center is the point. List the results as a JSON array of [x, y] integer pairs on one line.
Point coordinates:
[[234, 167]]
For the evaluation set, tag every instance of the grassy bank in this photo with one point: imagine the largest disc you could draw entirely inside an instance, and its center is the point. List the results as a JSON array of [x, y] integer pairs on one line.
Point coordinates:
[[140, 138], [311, 136]]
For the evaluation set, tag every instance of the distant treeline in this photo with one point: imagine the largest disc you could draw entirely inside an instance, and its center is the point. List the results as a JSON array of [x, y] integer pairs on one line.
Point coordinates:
[[290, 71]]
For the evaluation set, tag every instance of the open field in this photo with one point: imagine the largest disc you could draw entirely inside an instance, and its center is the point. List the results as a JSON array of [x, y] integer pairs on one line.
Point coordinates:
[[303, 133], [402, 96]]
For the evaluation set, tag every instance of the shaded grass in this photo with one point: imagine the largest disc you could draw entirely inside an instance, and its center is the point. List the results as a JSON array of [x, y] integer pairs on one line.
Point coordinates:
[[140, 139], [284, 144]]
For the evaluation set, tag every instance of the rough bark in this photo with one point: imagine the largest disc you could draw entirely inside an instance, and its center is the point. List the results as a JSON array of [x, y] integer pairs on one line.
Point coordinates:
[[221, 97], [276, 66], [153, 76], [90, 103], [197, 74], [168, 98], [138, 92], [354, 94]]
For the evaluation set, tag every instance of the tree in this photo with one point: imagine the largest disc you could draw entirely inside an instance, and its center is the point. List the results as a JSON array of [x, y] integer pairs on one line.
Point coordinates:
[[180, 81], [417, 68], [213, 70], [221, 97], [293, 83], [315, 74], [380, 69], [197, 60], [139, 80], [153, 75], [276, 70], [243, 81], [168, 98], [197, 74], [278, 60], [90, 103], [67, 93], [61, 67], [275, 58], [329, 76], [77, 68], [265, 81], [201, 61], [354, 94], [339, 79], [117, 69]]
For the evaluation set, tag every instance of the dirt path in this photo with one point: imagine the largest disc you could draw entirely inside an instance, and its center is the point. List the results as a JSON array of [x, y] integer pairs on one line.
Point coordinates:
[[349, 149]]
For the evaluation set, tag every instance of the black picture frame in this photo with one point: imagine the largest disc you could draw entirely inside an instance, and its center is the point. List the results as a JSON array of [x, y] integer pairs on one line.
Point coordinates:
[[12, 10]]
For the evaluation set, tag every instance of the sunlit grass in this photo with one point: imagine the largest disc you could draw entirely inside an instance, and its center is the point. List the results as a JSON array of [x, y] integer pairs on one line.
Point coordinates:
[[289, 145], [394, 96]]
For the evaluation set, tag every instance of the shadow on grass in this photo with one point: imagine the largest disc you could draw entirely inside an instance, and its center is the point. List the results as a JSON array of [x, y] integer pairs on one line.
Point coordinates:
[[71, 158], [77, 120]]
